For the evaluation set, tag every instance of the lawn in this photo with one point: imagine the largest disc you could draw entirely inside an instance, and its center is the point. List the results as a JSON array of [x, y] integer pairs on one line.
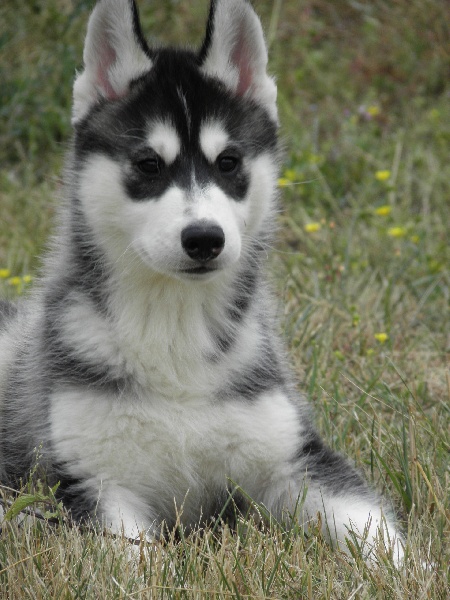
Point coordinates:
[[360, 270]]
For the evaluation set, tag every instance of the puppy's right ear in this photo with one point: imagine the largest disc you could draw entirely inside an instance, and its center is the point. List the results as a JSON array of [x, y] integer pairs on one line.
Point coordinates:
[[115, 54]]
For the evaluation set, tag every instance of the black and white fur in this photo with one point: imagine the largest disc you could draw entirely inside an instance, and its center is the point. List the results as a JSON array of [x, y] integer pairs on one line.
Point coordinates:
[[145, 368]]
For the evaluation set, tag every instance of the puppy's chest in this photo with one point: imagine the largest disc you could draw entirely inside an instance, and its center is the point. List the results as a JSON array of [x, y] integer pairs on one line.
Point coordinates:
[[153, 442]]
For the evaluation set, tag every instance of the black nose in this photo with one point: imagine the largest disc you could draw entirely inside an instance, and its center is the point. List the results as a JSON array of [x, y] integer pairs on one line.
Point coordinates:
[[203, 241]]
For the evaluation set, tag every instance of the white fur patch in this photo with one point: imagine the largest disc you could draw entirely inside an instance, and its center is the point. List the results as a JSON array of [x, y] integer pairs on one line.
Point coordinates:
[[213, 139], [164, 140], [350, 516], [152, 230], [142, 455], [261, 194], [94, 342]]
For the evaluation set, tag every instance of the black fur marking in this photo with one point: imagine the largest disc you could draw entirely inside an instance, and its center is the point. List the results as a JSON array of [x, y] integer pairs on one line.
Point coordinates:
[[330, 469], [208, 35], [88, 276], [224, 342], [258, 378], [88, 272], [119, 128], [70, 369], [76, 500], [314, 446], [64, 365], [20, 447], [241, 301], [139, 36], [8, 310], [229, 506], [246, 283]]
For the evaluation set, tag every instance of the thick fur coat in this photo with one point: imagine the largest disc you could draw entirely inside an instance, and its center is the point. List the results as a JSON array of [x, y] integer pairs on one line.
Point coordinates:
[[145, 369]]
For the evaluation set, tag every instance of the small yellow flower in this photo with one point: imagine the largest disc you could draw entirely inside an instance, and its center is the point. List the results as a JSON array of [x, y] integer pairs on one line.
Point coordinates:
[[4, 273], [415, 239], [397, 232], [15, 281], [26, 278], [435, 114], [383, 211], [283, 182], [291, 175], [382, 175], [315, 159], [373, 110], [312, 227], [381, 337], [434, 265]]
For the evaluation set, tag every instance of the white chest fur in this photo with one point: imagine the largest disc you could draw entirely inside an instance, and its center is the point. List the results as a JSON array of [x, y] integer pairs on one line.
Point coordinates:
[[162, 449]]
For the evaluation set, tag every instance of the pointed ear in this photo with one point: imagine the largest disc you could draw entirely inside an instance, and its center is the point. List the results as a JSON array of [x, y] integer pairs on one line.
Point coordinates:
[[115, 53], [235, 52]]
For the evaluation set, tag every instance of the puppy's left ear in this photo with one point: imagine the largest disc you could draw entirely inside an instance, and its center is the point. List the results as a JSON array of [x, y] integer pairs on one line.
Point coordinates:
[[235, 52]]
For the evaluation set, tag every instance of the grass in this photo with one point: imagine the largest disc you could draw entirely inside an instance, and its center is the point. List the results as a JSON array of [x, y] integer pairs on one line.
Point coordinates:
[[361, 270]]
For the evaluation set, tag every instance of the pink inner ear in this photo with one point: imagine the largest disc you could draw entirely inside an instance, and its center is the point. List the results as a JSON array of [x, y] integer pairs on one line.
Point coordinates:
[[106, 59], [240, 58]]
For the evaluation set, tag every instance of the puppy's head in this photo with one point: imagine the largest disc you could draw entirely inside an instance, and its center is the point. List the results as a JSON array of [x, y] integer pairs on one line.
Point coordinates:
[[176, 151]]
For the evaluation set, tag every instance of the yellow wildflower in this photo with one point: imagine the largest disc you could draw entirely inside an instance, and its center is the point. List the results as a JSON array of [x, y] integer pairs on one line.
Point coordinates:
[[434, 265], [397, 232], [434, 114], [382, 175], [315, 159], [290, 175], [383, 211], [14, 281], [4, 273], [312, 227], [373, 110], [283, 182], [415, 239], [26, 278], [381, 337]]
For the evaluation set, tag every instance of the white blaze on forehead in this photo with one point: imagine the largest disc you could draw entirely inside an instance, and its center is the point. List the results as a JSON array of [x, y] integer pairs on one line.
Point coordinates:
[[164, 140], [213, 139]]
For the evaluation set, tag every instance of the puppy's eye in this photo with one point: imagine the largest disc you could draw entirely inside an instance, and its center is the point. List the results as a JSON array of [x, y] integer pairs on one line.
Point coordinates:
[[227, 163], [149, 166]]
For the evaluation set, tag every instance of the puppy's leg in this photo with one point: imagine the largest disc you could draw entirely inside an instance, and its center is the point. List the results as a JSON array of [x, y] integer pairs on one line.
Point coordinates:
[[325, 483], [124, 513]]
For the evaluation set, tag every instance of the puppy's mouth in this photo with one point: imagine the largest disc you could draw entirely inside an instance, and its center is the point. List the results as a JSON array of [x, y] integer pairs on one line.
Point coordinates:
[[200, 270]]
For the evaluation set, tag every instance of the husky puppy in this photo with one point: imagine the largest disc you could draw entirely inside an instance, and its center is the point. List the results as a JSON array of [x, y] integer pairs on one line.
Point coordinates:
[[146, 367]]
